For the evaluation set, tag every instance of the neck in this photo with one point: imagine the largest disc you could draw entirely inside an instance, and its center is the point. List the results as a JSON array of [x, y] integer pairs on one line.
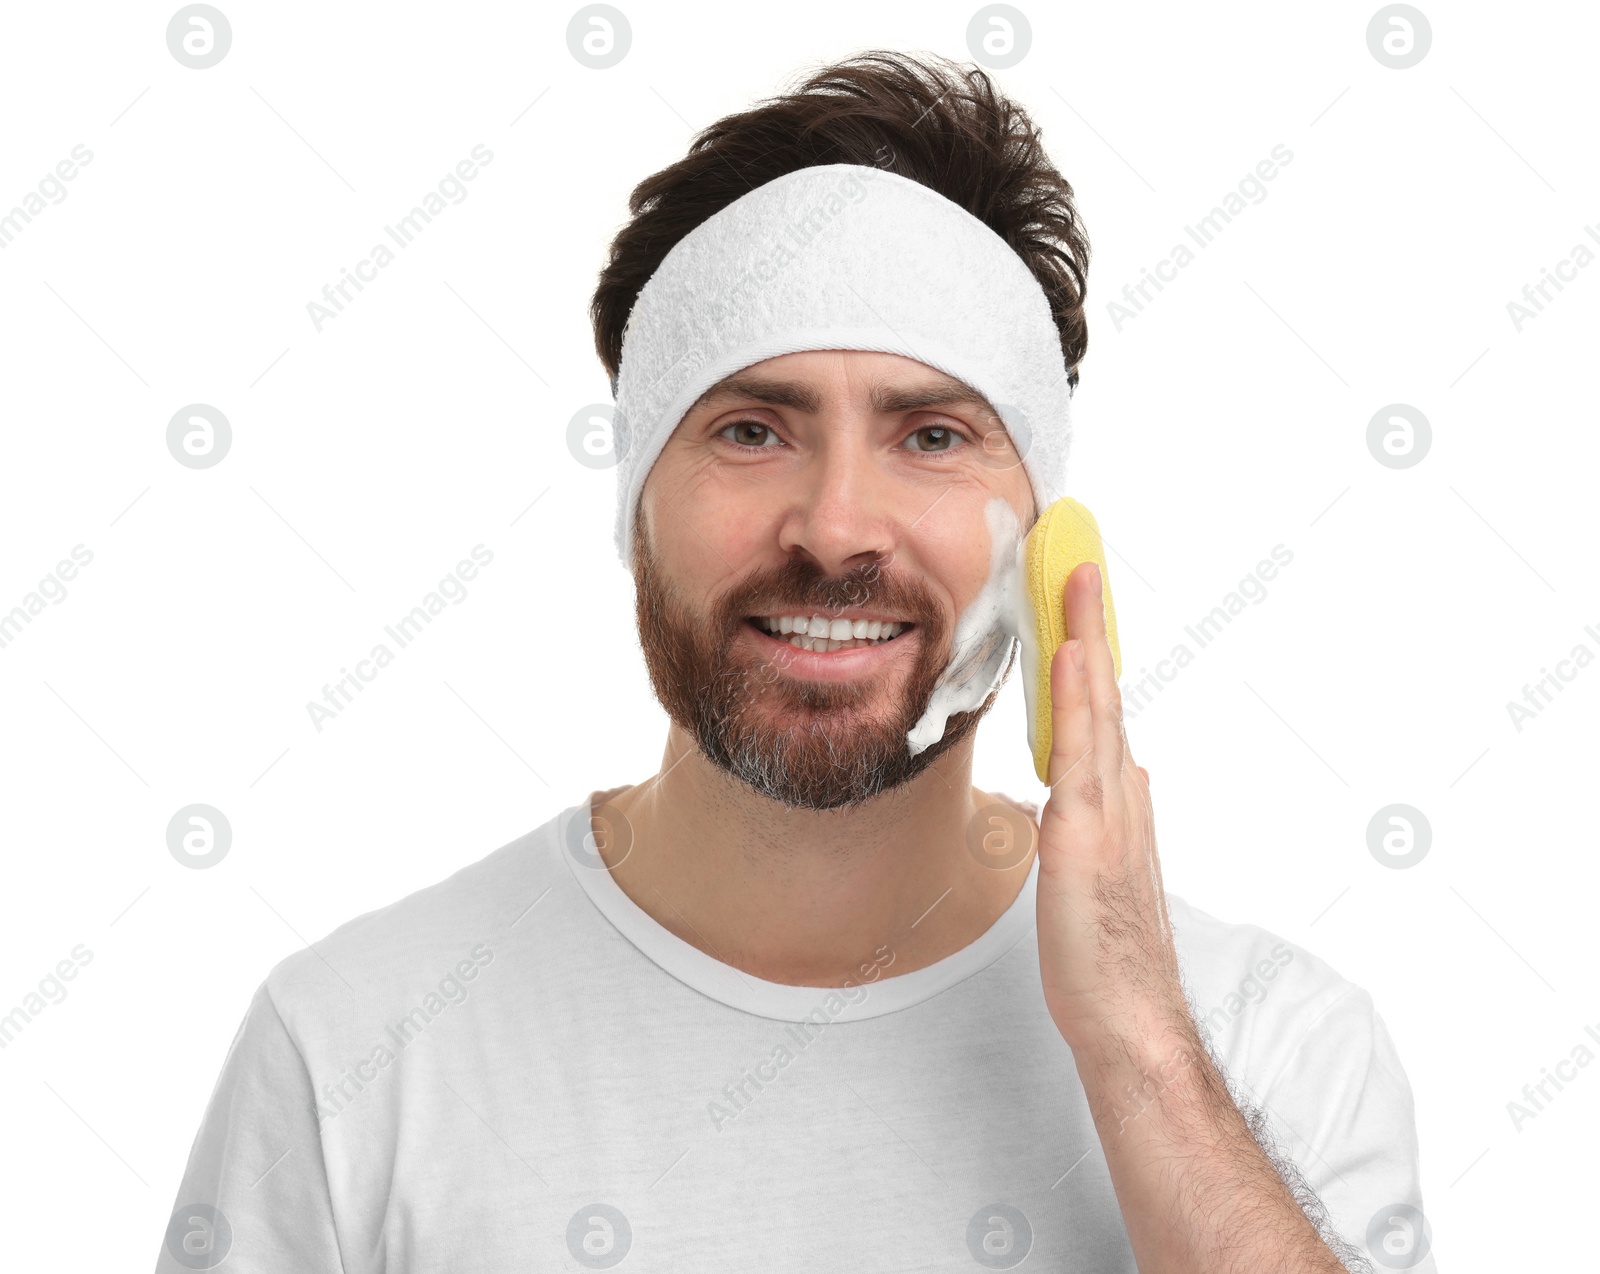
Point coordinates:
[[805, 897]]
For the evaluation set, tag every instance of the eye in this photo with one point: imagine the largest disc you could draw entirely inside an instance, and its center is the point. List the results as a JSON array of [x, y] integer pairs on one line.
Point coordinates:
[[938, 438], [748, 433]]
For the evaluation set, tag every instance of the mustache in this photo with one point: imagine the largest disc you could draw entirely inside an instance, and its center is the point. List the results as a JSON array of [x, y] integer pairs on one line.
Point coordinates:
[[800, 584]]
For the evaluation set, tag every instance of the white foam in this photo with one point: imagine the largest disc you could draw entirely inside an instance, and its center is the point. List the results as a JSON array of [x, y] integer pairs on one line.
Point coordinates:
[[983, 634]]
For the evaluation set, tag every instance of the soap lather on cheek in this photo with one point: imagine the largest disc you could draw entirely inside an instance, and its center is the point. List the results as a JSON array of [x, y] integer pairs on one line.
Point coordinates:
[[983, 633]]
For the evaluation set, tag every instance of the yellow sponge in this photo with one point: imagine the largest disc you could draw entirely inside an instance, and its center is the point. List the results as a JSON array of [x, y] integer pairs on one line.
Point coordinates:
[[1066, 535]]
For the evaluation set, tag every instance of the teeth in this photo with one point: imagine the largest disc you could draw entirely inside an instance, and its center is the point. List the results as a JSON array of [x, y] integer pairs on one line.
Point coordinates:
[[821, 634], [824, 644]]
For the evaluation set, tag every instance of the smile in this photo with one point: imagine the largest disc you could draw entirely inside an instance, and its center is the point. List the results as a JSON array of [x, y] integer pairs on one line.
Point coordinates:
[[820, 634]]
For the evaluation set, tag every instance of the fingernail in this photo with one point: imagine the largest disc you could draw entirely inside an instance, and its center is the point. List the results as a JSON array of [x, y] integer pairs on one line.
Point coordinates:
[[1075, 651], [1099, 589]]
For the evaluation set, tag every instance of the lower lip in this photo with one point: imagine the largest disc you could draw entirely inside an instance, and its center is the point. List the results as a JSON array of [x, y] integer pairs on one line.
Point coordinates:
[[833, 665]]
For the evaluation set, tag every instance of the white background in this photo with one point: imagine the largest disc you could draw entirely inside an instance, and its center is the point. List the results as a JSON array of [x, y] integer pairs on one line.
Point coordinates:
[[367, 459]]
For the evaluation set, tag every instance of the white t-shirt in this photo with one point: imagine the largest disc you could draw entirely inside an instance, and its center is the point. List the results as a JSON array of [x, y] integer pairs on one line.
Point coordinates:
[[518, 1069]]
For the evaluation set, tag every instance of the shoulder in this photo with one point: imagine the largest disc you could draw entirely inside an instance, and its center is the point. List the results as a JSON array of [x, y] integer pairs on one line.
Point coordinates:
[[1256, 996], [1307, 1049], [427, 943]]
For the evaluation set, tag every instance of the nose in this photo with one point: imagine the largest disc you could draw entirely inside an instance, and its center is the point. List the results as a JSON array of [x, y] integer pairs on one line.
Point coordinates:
[[842, 504]]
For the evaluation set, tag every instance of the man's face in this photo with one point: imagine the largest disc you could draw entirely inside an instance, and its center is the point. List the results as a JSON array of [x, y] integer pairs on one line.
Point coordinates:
[[833, 484]]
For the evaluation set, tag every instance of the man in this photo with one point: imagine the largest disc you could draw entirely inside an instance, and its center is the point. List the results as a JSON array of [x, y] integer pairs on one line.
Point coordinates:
[[805, 999]]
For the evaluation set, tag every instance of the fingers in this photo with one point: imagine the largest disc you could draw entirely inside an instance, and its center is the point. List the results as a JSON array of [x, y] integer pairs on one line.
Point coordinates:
[[1099, 812], [1090, 754], [1086, 620], [1072, 762]]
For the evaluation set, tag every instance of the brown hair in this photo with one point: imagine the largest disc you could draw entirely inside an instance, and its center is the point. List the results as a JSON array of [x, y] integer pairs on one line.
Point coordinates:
[[928, 119]]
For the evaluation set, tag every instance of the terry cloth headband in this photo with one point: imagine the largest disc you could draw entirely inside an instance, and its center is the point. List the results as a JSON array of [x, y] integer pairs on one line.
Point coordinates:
[[840, 256]]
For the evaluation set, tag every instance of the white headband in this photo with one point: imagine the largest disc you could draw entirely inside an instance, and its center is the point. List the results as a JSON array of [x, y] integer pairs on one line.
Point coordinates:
[[840, 256]]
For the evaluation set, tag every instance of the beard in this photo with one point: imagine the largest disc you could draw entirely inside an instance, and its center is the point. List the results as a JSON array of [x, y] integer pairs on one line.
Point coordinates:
[[811, 745]]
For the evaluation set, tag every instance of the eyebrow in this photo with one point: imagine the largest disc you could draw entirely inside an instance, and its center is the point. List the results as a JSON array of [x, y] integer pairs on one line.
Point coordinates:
[[947, 391]]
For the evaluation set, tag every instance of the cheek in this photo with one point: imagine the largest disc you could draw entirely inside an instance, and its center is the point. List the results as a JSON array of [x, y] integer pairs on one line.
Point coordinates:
[[706, 536], [955, 551]]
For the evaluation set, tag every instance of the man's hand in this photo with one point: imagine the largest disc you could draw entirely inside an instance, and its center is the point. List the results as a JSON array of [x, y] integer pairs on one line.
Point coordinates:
[[1106, 952], [1182, 1158]]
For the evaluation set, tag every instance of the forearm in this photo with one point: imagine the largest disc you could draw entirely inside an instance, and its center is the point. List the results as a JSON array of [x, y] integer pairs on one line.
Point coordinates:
[[1198, 1194]]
